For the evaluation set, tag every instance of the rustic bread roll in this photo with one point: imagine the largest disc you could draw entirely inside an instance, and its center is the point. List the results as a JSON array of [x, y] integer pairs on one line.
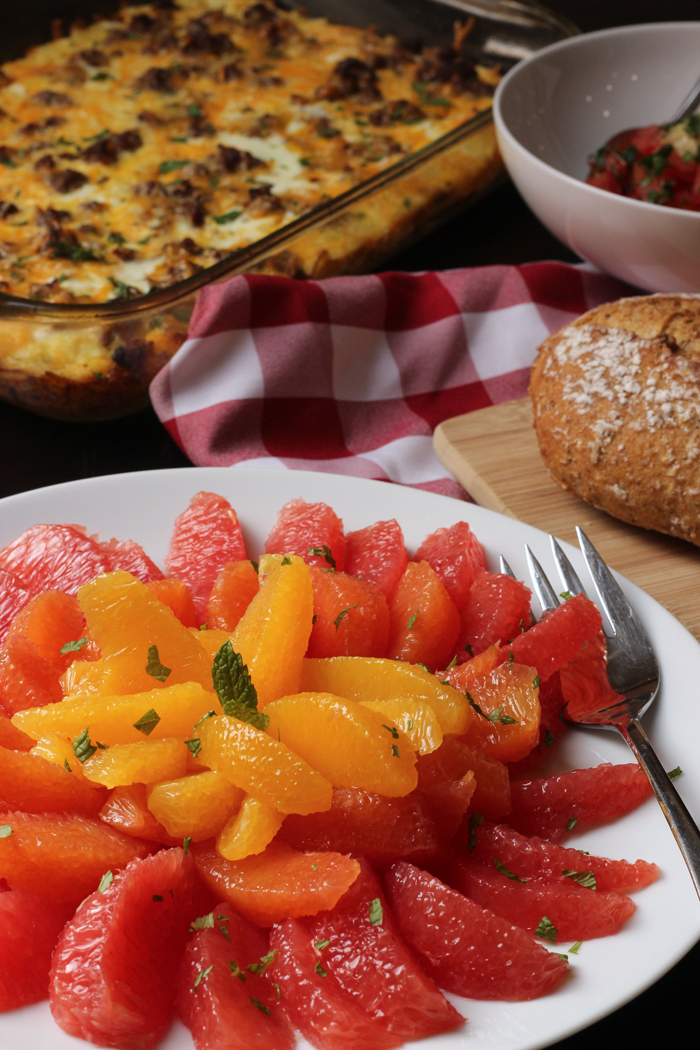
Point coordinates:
[[616, 398]]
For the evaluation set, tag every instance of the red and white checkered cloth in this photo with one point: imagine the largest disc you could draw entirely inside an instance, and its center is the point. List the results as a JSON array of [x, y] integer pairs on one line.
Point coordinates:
[[351, 375]]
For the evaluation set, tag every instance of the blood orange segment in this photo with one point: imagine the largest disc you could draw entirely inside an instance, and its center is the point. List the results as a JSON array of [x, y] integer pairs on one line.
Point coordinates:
[[205, 538], [454, 760], [141, 763], [249, 831], [301, 527], [29, 929], [274, 631], [551, 806], [465, 948], [113, 972], [195, 806], [126, 809], [378, 554], [278, 883], [575, 912], [507, 722], [382, 829], [61, 856], [31, 784], [456, 556], [131, 557], [496, 609], [326, 1016], [534, 858], [54, 557], [364, 678], [557, 638], [219, 1010], [13, 597], [424, 622], [345, 742], [233, 591], [262, 767], [351, 616], [176, 595], [126, 620], [364, 947]]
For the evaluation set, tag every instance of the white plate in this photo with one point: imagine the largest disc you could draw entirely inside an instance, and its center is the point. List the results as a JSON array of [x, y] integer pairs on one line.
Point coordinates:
[[608, 972]]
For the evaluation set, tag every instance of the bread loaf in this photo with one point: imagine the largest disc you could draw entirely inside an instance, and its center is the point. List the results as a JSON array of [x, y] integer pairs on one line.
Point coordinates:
[[616, 398]]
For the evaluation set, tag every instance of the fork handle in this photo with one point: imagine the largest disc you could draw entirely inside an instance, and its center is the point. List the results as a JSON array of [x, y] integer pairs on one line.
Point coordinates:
[[685, 830]]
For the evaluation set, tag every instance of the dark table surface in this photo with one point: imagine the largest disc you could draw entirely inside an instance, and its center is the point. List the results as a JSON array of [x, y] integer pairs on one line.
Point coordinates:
[[500, 229]]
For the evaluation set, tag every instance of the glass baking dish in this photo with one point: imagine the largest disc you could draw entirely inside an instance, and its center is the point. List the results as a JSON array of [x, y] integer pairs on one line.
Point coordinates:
[[95, 361]]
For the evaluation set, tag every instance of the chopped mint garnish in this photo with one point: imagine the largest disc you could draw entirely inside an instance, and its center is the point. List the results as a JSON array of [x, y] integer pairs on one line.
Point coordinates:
[[571, 823], [507, 872], [148, 722], [73, 647], [204, 922], [228, 216], [419, 664], [277, 989], [154, 667], [195, 746], [376, 912], [235, 689], [549, 739], [201, 975], [260, 967], [320, 945], [395, 751], [573, 950], [319, 970], [323, 552], [209, 714], [546, 930], [475, 821], [409, 725], [468, 649], [511, 657], [584, 878], [286, 560], [256, 565], [105, 882], [673, 773], [68, 768], [536, 681], [342, 613], [171, 165], [236, 971], [265, 1009], [411, 622], [186, 844], [391, 729], [82, 748], [566, 595]]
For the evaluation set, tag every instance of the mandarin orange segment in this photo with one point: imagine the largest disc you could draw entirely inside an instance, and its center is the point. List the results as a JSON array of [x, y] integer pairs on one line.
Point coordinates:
[[142, 763], [424, 621], [211, 640], [62, 856], [508, 728], [28, 782], [58, 749], [177, 596], [346, 742], [262, 766], [12, 737], [125, 620], [364, 678], [126, 809], [416, 720], [195, 806], [112, 719], [250, 831], [234, 589], [278, 883], [273, 634]]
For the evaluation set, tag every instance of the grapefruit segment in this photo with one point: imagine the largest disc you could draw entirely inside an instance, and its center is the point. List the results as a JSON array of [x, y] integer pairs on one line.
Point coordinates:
[[351, 616], [453, 760], [233, 591], [556, 638], [303, 527], [54, 557], [465, 948], [131, 557], [495, 611], [29, 929], [456, 556], [13, 597], [424, 622], [13, 738], [30, 783], [378, 554], [126, 809]]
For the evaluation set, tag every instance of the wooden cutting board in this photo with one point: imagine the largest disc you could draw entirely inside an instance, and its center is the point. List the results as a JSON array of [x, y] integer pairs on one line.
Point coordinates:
[[493, 453]]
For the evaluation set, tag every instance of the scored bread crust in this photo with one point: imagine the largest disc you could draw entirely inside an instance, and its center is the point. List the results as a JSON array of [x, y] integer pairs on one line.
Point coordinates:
[[616, 400]]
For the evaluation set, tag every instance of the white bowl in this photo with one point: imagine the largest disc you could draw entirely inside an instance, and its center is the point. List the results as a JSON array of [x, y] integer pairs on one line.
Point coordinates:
[[555, 108]]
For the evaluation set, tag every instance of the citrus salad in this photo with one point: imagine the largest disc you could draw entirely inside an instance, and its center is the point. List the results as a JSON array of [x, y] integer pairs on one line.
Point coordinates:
[[292, 795]]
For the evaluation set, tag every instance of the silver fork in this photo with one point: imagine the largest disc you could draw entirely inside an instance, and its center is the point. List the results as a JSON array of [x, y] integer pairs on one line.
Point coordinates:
[[633, 672]]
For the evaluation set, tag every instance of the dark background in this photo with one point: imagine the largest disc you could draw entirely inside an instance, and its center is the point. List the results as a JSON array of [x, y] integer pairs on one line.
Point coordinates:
[[500, 229]]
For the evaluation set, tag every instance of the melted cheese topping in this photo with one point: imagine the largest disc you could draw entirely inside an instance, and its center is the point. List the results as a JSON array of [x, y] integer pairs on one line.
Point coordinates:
[[152, 144]]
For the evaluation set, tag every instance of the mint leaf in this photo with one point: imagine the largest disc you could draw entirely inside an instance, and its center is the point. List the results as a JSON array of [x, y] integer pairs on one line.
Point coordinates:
[[536, 681], [209, 714], [148, 722], [236, 971], [154, 667], [5, 831], [507, 872], [286, 560], [265, 1009], [82, 748], [73, 647], [261, 966], [571, 823], [584, 878], [391, 729], [171, 165], [105, 882], [323, 552], [235, 689], [376, 912], [343, 613], [204, 922], [186, 844], [201, 975], [411, 622], [228, 216], [549, 739], [395, 751], [573, 950], [546, 930], [468, 649], [320, 945], [68, 768], [673, 773], [195, 746], [319, 970]]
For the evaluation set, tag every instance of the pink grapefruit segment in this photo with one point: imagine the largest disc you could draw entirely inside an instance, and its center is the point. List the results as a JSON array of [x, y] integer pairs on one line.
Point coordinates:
[[377, 554], [29, 929], [302, 527]]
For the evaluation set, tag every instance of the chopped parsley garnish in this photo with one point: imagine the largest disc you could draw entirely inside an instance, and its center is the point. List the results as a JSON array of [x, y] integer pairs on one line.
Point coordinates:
[[147, 722], [235, 689], [584, 878], [475, 821], [204, 922], [265, 1009], [320, 945], [426, 98], [228, 216], [154, 667], [195, 746], [122, 290], [209, 714], [411, 622], [573, 950], [318, 968], [376, 912], [546, 930], [105, 882], [201, 975], [342, 613], [391, 729], [395, 751], [673, 773], [5, 831], [186, 844], [236, 971], [116, 238], [571, 823], [260, 967], [171, 165], [74, 252], [73, 647], [536, 681], [82, 748], [507, 872]]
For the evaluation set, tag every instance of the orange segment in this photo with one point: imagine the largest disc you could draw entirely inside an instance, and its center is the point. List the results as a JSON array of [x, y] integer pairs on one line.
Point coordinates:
[[509, 692], [415, 719], [262, 766], [274, 632], [234, 589], [424, 621], [142, 763], [126, 809], [62, 856], [176, 595], [250, 831], [278, 883], [351, 616], [125, 620], [211, 640], [12, 737], [58, 749], [28, 782], [111, 718], [195, 806], [345, 742], [364, 678]]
